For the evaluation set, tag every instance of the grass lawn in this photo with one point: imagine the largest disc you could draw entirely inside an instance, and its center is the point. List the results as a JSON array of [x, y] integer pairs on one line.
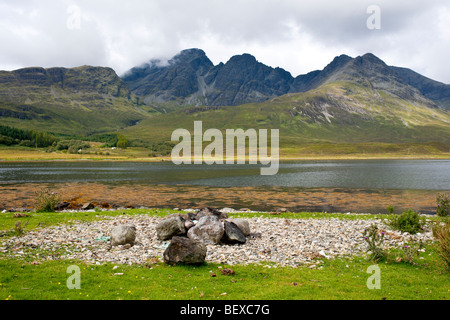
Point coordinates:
[[338, 279]]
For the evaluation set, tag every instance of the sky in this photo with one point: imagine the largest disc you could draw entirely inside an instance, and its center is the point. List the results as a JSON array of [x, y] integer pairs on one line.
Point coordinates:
[[298, 36]]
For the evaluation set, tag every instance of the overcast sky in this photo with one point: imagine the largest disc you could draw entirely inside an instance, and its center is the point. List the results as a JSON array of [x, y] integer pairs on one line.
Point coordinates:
[[298, 36]]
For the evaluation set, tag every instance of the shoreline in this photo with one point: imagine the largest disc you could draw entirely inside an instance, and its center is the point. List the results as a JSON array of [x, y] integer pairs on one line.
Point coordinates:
[[293, 199], [12, 154], [281, 159]]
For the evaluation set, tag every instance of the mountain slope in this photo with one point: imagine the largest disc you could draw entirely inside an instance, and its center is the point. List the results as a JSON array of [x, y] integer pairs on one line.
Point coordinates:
[[156, 82], [351, 101], [190, 79], [436, 91], [80, 100], [337, 113]]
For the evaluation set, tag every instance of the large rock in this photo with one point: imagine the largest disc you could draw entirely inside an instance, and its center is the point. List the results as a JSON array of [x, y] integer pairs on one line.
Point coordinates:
[[232, 233], [242, 224], [209, 212], [185, 250], [170, 227], [209, 230], [123, 234]]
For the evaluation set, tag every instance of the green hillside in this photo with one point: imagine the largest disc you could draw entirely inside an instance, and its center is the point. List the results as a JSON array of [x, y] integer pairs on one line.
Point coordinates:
[[77, 101], [340, 116]]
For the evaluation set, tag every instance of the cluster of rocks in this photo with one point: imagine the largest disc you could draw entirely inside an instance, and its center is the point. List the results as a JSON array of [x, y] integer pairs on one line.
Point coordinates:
[[191, 232]]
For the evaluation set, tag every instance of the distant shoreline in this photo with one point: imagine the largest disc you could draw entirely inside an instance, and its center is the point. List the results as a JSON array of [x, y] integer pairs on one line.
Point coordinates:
[[168, 159]]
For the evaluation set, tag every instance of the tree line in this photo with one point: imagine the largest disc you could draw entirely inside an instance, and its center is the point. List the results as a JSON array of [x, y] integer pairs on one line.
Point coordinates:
[[30, 138]]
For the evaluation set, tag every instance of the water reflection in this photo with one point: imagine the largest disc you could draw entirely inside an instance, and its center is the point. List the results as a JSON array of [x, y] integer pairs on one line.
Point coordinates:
[[376, 174]]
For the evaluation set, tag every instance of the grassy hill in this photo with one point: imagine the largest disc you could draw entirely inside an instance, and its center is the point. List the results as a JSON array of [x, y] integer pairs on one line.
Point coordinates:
[[77, 101], [338, 117]]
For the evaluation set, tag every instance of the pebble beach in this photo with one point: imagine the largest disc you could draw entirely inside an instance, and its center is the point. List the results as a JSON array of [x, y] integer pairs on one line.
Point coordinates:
[[276, 241]]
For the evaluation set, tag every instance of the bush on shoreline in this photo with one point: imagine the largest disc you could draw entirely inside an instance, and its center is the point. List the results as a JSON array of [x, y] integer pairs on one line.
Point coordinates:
[[408, 221], [46, 201], [443, 205]]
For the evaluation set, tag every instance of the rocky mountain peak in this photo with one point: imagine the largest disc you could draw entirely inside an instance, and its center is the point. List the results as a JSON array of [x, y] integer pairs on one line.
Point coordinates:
[[190, 78]]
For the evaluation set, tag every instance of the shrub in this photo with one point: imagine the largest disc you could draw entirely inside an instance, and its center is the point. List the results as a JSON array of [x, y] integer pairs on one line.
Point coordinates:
[[443, 205], [441, 233], [19, 229], [7, 141], [374, 240], [408, 221], [410, 250], [46, 201], [122, 142], [72, 146], [390, 209]]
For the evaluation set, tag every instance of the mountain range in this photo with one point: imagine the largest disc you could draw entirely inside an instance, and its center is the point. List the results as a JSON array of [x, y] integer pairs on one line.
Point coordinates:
[[190, 78], [350, 101]]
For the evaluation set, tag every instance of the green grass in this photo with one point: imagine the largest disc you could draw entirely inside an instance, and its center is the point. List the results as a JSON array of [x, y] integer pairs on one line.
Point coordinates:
[[47, 219], [339, 279], [343, 278]]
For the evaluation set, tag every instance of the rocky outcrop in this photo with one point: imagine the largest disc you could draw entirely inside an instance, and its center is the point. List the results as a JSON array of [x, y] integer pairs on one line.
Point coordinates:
[[190, 78]]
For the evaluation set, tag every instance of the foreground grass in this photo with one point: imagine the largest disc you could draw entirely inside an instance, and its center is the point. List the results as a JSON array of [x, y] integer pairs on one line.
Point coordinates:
[[339, 279]]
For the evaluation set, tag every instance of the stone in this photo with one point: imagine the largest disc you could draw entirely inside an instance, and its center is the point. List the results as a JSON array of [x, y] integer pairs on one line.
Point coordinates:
[[255, 235], [122, 235], [62, 206], [170, 227], [209, 229], [188, 224], [242, 224], [232, 233], [227, 272], [87, 206], [186, 251], [209, 212], [21, 215]]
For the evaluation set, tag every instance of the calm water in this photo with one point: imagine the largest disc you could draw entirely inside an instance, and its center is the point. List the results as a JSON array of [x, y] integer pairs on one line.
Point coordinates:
[[377, 174]]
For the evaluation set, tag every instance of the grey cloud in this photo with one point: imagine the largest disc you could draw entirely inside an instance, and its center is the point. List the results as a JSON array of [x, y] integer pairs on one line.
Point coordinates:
[[123, 34]]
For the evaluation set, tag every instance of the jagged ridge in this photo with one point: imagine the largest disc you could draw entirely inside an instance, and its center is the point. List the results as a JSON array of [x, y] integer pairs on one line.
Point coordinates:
[[190, 78]]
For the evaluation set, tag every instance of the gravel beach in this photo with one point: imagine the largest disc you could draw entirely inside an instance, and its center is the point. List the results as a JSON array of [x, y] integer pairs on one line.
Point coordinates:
[[284, 242]]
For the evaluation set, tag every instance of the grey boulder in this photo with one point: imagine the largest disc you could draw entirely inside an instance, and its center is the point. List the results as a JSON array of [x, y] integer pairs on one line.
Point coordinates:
[[242, 224], [170, 227], [232, 233], [184, 250], [209, 229], [122, 235]]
